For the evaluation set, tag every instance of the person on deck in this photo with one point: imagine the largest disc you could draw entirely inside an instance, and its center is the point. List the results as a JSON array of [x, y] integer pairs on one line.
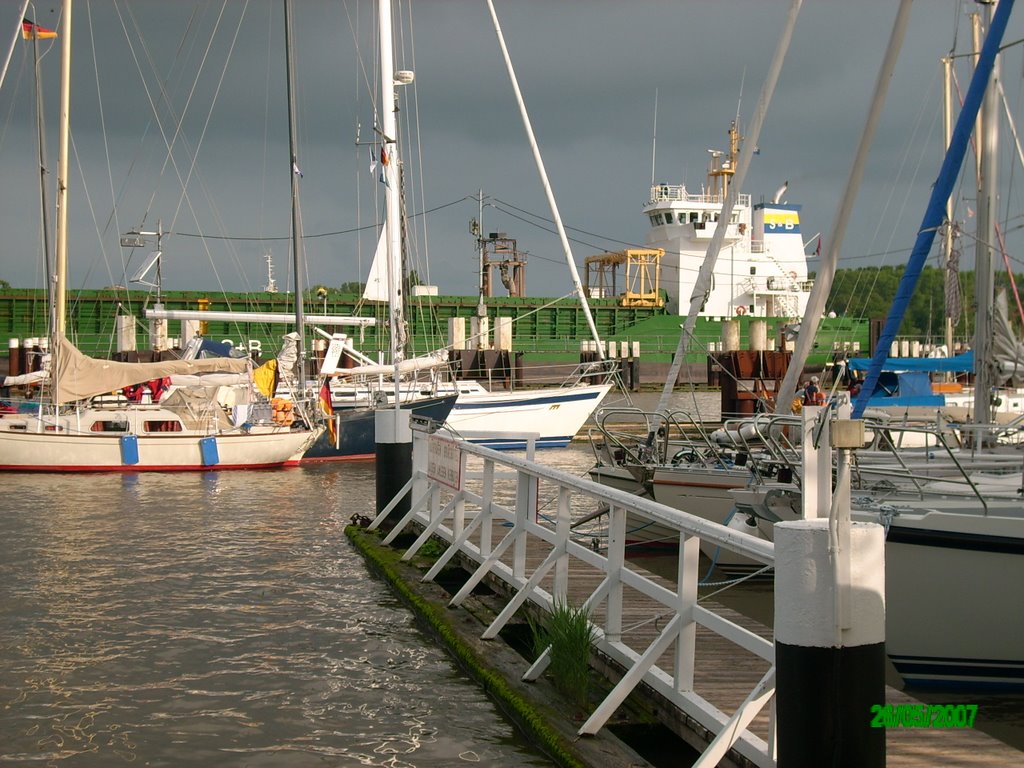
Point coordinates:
[[812, 394]]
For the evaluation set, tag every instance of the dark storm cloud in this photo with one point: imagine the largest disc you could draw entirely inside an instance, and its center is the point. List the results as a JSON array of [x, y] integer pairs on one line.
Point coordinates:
[[589, 73]]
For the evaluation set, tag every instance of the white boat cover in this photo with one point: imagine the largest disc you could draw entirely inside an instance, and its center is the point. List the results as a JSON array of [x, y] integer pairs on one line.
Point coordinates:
[[79, 376]]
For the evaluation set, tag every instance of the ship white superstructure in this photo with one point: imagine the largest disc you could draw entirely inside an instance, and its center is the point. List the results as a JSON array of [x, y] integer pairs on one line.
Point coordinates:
[[761, 268]]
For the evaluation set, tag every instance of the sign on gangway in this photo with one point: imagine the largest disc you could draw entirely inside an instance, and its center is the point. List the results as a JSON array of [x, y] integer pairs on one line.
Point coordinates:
[[444, 462]]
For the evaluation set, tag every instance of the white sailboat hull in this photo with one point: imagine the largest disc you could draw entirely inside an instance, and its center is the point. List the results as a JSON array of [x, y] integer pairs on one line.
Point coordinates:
[[555, 414], [965, 566], [52, 451]]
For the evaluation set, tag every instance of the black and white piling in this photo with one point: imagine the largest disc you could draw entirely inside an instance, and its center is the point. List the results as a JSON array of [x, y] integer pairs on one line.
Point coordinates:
[[393, 438], [830, 632]]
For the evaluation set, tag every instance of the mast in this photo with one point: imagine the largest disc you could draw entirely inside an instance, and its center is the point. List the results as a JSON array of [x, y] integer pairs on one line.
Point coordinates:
[[390, 168], [947, 131], [984, 276], [44, 206], [827, 270], [298, 260], [60, 278], [577, 286]]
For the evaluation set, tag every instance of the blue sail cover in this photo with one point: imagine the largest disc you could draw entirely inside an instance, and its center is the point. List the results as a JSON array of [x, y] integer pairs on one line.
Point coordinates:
[[959, 364]]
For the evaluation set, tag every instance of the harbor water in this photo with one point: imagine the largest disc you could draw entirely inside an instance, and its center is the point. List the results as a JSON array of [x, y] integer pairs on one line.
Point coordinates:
[[219, 619]]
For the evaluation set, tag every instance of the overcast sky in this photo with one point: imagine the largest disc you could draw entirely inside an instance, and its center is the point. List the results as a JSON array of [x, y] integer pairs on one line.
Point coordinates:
[[590, 73]]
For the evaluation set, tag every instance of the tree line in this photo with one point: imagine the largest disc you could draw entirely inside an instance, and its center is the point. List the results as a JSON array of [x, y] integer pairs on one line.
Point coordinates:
[[868, 292]]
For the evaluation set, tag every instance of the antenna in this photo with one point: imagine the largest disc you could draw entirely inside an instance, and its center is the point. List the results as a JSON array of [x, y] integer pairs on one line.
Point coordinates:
[[739, 101], [654, 139], [271, 282]]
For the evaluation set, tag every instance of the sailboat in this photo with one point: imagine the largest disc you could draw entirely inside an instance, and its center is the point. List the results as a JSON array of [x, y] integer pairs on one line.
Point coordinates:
[[81, 420], [549, 416], [352, 394]]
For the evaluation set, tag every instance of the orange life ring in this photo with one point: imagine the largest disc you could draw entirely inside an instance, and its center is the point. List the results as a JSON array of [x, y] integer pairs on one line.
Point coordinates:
[[792, 275], [741, 310]]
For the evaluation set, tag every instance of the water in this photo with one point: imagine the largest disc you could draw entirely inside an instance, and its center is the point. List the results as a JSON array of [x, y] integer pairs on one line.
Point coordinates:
[[219, 619]]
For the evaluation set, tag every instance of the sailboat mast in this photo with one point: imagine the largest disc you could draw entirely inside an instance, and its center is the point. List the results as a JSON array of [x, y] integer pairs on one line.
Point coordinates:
[[298, 260], [390, 167], [44, 205], [947, 134], [827, 270], [986, 237], [61, 275], [577, 286]]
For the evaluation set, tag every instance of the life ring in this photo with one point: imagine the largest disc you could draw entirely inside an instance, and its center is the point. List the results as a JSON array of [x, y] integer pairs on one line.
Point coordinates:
[[792, 275], [741, 310]]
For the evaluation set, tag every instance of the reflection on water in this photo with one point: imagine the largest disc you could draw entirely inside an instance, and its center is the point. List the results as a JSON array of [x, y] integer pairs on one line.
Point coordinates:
[[218, 619]]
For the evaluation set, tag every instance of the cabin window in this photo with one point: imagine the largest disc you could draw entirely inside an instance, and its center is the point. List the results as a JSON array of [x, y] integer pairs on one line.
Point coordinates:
[[668, 218], [655, 221], [117, 425], [753, 270], [693, 217], [682, 217], [162, 425]]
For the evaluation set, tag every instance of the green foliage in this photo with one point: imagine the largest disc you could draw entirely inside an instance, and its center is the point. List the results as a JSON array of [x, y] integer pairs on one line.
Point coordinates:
[[568, 632], [869, 291], [351, 287], [4, 284]]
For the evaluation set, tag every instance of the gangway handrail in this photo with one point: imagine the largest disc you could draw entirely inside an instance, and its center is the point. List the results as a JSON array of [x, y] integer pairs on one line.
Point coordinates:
[[467, 520]]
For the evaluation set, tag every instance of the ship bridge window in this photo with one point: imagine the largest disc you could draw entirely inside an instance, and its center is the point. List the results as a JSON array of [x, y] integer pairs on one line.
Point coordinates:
[[693, 217], [655, 219], [682, 218]]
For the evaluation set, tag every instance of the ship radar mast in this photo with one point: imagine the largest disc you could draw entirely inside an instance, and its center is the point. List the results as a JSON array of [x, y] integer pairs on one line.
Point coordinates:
[[723, 167], [271, 282]]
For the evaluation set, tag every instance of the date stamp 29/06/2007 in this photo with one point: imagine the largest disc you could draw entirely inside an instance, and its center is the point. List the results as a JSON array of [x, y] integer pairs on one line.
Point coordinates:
[[923, 715]]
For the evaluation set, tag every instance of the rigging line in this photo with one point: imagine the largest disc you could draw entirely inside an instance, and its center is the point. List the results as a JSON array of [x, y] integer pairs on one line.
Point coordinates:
[[419, 145], [113, 217], [1000, 238], [574, 229], [912, 140], [165, 98], [209, 115], [334, 233], [353, 28], [553, 231]]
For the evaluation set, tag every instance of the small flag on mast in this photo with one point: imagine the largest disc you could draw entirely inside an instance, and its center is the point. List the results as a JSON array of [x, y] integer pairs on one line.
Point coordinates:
[[295, 169], [30, 29]]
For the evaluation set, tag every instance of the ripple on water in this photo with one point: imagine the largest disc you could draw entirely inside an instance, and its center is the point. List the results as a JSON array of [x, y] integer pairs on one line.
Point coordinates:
[[218, 619]]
